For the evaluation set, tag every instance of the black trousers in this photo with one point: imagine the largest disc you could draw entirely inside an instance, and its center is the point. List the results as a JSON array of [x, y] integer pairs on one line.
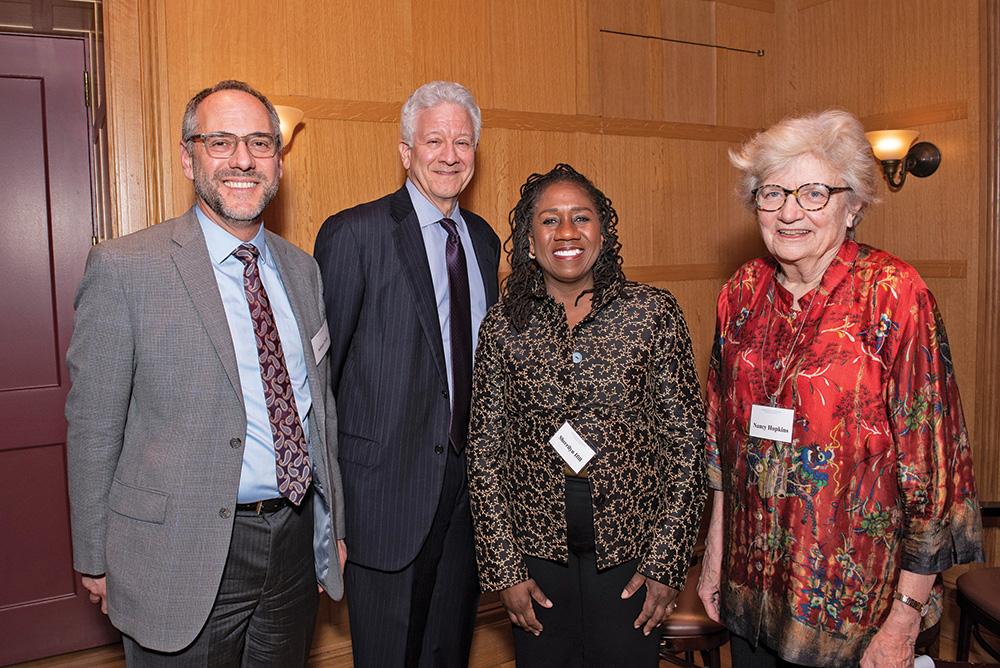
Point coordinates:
[[265, 611], [589, 624], [423, 615]]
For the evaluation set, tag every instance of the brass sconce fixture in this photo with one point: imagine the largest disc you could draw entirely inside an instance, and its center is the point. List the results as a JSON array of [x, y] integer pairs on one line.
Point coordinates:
[[892, 148], [290, 117]]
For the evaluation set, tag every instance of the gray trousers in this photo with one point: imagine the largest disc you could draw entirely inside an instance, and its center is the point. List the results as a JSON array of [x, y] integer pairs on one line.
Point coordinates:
[[265, 611]]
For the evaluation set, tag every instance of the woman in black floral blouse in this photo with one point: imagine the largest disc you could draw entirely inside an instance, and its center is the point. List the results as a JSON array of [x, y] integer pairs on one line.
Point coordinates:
[[576, 349]]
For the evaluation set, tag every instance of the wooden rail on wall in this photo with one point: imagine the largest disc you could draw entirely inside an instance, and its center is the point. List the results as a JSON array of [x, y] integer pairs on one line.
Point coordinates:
[[388, 112], [665, 273]]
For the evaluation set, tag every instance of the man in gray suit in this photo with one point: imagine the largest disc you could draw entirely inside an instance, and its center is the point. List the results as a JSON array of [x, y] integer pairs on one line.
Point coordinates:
[[407, 279], [202, 431]]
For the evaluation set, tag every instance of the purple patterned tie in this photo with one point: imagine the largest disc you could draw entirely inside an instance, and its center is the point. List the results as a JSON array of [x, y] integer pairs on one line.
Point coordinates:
[[461, 336], [290, 451]]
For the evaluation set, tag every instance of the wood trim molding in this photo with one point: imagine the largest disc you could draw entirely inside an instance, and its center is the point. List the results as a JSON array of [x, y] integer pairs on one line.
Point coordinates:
[[388, 112], [666, 273], [759, 5], [126, 138], [986, 430], [938, 113]]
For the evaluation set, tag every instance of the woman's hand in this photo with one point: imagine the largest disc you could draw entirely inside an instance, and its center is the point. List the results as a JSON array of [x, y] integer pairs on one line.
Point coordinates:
[[517, 601], [892, 646], [660, 601], [711, 567]]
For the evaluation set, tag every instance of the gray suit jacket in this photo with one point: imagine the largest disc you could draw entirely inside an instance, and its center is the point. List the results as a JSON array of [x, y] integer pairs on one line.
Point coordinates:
[[157, 422], [387, 369]]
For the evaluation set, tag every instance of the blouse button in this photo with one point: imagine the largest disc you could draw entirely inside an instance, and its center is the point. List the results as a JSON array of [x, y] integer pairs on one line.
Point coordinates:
[[600, 500], [759, 566], [577, 358], [759, 515]]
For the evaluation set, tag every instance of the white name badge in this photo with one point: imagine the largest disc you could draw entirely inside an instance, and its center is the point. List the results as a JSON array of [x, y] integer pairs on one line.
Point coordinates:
[[321, 342], [571, 447], [772, 423]]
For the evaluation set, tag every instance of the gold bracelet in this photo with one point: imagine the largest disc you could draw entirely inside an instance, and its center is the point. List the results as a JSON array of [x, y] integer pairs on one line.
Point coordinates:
[[912, 602]]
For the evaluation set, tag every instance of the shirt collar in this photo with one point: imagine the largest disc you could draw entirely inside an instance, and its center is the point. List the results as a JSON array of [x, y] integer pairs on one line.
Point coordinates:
[[221, 243], [427, 213]]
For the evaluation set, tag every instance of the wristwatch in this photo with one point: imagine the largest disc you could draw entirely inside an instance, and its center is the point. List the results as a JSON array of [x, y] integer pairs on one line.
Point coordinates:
[[912, 602]]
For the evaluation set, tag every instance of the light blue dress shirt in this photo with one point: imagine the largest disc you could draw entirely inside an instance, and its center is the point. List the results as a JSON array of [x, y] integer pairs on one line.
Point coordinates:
[[258, 479], [435, 242]]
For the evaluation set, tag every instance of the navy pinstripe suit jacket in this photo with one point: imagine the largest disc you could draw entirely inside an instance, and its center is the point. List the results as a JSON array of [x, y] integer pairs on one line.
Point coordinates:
[[388, 371]]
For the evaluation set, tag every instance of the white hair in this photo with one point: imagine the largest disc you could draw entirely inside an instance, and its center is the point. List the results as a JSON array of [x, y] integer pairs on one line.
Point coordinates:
[[431, 95]]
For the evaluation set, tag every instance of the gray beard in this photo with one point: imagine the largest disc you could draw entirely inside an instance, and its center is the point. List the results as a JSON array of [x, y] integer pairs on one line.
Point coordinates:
[[213, 199]]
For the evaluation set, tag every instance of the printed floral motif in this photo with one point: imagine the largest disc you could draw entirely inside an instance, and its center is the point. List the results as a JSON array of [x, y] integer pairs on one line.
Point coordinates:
[[626, 380], [815, 529]]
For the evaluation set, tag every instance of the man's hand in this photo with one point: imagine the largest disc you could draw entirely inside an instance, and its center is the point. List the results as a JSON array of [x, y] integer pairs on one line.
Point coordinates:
[[517, 601], [342, 554], [660, 601], [98, 588]]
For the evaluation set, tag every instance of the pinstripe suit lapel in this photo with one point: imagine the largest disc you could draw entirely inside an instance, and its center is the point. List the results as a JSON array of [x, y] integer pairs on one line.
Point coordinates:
[[190, 256], [413, 257], [480, 243]]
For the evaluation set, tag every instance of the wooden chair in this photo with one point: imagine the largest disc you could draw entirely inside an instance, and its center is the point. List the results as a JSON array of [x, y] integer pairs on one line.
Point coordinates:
[[979, 601], [688, 629], [928, 637]]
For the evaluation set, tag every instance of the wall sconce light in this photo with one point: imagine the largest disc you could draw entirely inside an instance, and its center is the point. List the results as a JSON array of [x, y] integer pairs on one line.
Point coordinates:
[[892, 149], [290, 117]]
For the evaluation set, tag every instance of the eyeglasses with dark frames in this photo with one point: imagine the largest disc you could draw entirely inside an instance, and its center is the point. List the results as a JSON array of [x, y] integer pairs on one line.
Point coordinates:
[[810, 196], [223, 144]]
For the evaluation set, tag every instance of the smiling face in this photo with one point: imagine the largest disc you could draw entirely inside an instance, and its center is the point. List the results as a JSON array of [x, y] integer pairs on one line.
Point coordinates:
[[233, 192], [442, 159], [566, 238], [805, 242]]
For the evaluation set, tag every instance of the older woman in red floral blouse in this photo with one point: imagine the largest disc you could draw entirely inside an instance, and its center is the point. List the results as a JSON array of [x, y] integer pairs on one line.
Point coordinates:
[[836, 444]]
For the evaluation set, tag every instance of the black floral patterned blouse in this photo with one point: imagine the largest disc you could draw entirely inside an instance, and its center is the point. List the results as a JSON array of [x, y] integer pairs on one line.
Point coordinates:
[[625, 378]]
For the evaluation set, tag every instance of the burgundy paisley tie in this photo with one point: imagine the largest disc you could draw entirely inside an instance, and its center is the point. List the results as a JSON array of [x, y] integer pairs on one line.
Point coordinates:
[[290, 451], [461, 336]]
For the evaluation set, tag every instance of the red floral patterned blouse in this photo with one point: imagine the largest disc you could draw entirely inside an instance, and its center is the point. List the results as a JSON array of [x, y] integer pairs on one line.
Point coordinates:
[[878, 475]]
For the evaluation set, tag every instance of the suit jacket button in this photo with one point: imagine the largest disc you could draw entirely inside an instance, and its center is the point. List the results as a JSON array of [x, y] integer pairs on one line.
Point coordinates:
[[235, 443], [438, 449], [444, 393], [225, 513]]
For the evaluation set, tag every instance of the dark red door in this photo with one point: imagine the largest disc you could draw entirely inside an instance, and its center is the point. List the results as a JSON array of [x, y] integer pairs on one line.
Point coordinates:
[[46, 223]]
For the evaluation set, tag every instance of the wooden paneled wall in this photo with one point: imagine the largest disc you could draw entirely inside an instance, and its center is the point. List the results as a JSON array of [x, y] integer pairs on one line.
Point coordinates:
[[650, 121]]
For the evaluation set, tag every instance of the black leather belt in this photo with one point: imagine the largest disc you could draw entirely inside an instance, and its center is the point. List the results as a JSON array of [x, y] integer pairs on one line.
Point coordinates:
[[261, 507]]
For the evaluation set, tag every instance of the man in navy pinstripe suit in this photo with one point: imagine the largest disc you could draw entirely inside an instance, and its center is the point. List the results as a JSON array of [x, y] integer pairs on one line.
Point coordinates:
[[411, 571]]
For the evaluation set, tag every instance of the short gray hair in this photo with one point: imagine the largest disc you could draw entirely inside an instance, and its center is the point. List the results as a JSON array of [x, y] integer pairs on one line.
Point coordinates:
[[835, 137], [189, 125], [431, 95]]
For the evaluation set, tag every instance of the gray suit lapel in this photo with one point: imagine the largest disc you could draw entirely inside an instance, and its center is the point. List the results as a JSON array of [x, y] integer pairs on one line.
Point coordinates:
[[302, 304], [194, 265], [413, 257]]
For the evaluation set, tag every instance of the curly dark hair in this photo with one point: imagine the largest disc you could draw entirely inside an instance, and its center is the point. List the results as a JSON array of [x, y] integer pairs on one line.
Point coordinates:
[[525, 280]]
